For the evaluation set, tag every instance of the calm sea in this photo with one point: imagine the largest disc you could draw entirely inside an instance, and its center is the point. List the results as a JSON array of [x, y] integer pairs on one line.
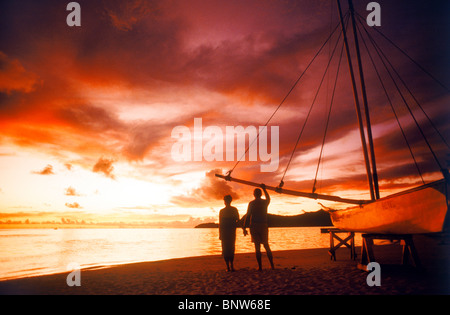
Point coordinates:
[[30, 252]]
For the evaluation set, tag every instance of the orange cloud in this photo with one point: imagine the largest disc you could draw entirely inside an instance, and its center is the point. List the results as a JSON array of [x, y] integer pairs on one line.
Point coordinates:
[[73, 205], [228, 61], [48, 170], [124, 15], [104, 166], [210, 190], [14, 77], [70, 191]]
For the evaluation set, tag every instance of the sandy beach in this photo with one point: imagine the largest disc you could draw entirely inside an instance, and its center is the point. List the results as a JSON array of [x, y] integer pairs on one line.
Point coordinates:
[[307, 271]]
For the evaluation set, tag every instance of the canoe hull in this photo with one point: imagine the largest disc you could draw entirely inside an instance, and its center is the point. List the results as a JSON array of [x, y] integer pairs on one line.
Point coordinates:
[[416, 211]]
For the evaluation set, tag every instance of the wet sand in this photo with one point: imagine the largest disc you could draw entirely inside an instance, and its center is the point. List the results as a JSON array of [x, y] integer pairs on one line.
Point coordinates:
[[307, 271]]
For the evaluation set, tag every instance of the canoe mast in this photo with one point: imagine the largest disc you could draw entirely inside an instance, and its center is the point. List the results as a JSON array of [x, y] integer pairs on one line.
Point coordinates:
[[371, 169]]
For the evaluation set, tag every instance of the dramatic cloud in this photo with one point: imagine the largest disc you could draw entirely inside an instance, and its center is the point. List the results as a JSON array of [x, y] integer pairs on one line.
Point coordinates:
[[48, 170], [117, 86], [73, 205], [88, 118], [104, 166], [93, 220], [70, 191], [14, 77], [211, 189], [143, 137], [125, 14]]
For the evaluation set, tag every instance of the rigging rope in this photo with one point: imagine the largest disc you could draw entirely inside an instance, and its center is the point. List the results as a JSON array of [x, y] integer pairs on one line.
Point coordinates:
[[412, 95], [378, 50], [389, 99], [284, 99], [328, 118], [409, 57], [382, 57], [361, 20], [309, 112]]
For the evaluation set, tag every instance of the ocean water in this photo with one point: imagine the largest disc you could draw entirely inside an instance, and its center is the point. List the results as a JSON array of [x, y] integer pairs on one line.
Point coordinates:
[[30, 252]]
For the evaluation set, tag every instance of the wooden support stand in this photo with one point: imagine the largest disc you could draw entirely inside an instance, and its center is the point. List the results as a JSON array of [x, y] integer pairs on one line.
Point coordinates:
[[348, 242], [408, 250]]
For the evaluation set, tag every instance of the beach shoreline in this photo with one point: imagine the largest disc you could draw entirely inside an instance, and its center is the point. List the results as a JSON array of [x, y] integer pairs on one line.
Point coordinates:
[[306, 271]]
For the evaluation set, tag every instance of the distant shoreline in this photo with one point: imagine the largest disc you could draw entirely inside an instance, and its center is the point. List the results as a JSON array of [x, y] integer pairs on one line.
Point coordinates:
[[308, 219]]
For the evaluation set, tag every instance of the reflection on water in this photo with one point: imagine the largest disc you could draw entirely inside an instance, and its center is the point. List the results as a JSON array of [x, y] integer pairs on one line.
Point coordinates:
[[43, 251]]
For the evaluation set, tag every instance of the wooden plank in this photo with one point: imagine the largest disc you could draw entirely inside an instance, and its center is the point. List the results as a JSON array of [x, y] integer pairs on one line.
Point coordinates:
[[367, 255], [408, 249], [348, 242], [332, 250], [294, 192]]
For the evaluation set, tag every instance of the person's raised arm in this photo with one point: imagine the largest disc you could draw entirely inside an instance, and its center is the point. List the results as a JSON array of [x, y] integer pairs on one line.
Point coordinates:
[[265, 193]]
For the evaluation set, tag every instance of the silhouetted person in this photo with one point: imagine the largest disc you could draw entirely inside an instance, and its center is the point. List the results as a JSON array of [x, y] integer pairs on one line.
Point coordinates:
[[256, 218], [228, 219]]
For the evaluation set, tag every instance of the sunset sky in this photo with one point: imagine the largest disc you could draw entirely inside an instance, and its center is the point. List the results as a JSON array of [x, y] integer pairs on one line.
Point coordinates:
[[87, 113]]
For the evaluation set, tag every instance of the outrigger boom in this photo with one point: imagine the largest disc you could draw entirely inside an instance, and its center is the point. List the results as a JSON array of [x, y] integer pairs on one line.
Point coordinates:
[[294, 192]]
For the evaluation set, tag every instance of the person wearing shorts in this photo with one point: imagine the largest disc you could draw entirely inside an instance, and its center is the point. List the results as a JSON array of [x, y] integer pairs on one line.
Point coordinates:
[[256, 219]]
